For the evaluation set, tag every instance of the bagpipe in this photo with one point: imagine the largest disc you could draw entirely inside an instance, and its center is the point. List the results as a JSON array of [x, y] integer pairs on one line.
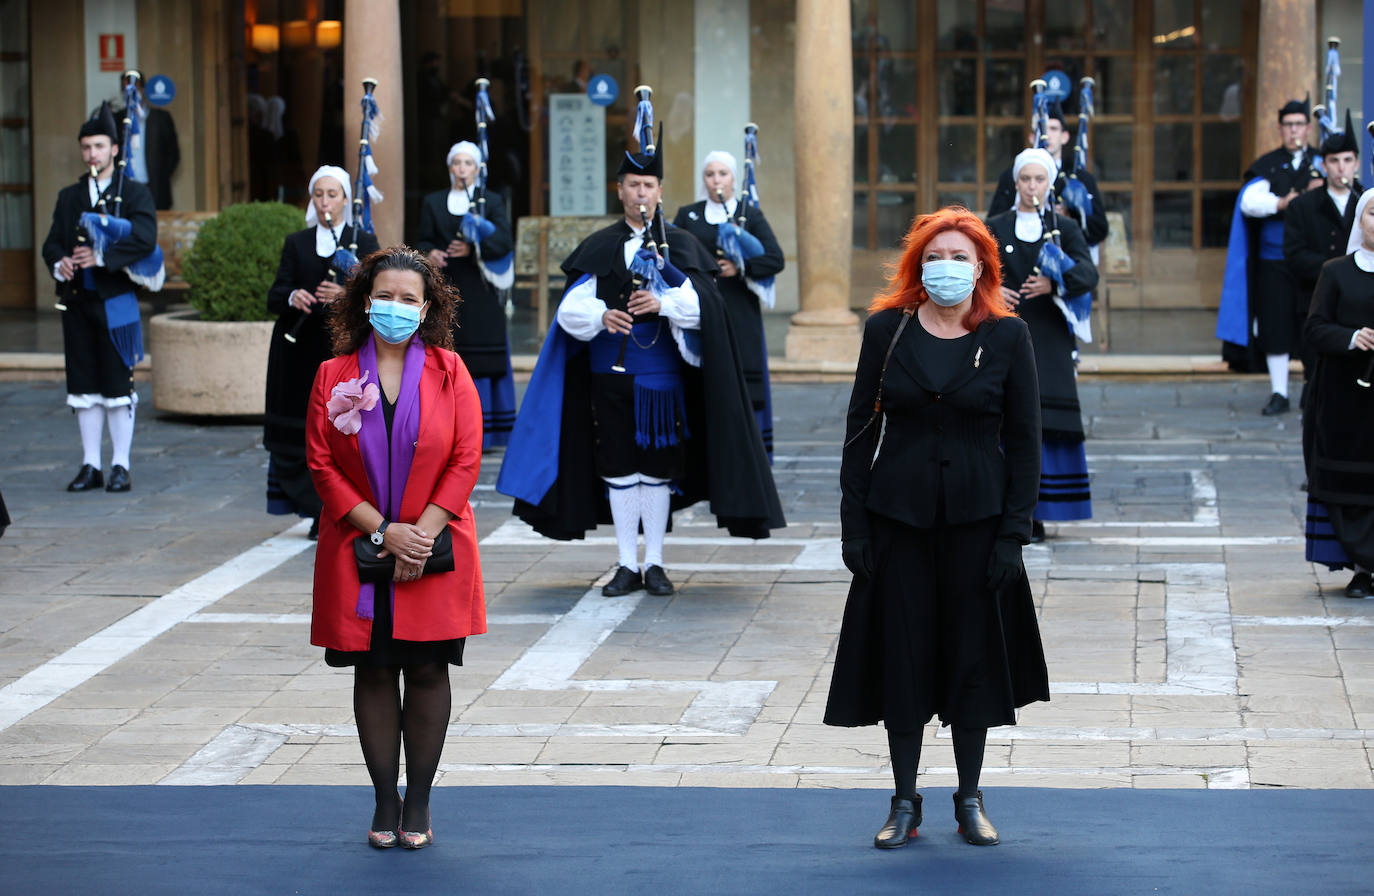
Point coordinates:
[[733, 240], [1326, 111], [344, 259], [499, 272], [1076, 197], [1053, 261], [104, 228]]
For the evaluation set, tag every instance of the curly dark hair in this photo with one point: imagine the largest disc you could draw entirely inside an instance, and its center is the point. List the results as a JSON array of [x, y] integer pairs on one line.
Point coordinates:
[[348, 323]]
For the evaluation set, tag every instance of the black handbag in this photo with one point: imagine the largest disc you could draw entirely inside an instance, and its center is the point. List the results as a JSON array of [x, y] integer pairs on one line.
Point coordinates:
[[379, 570]]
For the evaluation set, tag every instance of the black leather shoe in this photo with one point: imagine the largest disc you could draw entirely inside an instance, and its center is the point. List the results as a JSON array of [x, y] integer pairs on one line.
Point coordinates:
[[119, 480], [623, 582], [656, 581], [1278, 404], [1037, 532], [1360, 587], [87, 479], [973, 821], [901, 823]]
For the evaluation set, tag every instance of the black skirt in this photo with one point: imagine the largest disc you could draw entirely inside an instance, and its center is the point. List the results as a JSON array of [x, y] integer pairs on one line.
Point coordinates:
[[925, 636]]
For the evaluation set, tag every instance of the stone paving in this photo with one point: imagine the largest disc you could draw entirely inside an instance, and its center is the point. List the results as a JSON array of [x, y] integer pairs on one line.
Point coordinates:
[[161, 636]]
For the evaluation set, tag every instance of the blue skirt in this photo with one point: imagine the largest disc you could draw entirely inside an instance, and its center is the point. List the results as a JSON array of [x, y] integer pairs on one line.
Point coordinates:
[[1322, 544], [1064, 487], [497, 394]]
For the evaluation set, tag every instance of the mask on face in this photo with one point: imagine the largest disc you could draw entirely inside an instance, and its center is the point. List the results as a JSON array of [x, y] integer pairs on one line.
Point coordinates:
[[947, 281], [394, 322]]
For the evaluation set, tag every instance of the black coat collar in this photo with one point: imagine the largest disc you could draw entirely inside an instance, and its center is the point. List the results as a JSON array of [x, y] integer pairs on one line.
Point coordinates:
[[973, 361]]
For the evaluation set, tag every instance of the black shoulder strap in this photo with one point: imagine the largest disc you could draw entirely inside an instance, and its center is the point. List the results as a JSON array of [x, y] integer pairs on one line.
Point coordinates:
[[882, 375]]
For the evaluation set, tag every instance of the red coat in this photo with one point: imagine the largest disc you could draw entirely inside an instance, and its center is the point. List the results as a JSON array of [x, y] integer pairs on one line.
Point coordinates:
[[448, 455]]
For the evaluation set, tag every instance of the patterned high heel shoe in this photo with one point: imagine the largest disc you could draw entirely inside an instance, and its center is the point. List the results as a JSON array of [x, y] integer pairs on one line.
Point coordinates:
[[417, 839], [386, 839]]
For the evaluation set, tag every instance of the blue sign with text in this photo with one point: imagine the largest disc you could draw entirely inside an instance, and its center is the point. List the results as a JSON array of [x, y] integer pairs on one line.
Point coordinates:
[[602, 90], [1057, 85], [159, 90]]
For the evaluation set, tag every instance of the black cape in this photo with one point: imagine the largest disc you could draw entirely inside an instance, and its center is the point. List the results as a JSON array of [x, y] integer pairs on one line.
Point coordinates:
[[726, 463]]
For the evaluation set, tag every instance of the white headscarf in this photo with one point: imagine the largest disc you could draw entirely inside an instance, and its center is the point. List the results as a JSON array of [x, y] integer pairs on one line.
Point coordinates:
[[464, 148], [312, 219], [1356, 240], [1036, 156], [726, 159]]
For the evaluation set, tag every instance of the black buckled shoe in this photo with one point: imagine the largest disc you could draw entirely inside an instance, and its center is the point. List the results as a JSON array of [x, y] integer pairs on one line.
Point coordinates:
[[87, 479], [1361, 586], [119, 480], [973, 821], [901, 823], [656, 581], [623, 582], [1278, 404]]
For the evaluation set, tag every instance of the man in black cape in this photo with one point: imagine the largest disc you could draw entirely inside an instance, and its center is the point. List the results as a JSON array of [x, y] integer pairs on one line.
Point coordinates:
[[638, 404], [1260, 319]]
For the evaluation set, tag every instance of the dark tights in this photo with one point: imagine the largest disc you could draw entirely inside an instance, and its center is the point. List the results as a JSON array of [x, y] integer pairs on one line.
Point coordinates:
[[905, 748], [382, 722]]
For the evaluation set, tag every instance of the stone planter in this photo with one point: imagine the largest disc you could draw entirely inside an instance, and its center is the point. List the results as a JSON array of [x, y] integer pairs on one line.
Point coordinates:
[[208, 368]]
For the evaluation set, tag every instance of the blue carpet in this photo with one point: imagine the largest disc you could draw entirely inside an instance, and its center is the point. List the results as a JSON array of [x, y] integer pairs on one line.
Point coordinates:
[[611, 840]]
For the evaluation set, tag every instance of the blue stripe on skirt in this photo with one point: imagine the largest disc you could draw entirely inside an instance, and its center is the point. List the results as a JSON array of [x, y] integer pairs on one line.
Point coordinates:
[[1064, 489], [497, 394], [1322, 546]]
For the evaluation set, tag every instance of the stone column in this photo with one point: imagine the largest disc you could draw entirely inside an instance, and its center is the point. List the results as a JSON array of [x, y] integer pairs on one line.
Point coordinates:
[[824, 329], [372, 49], [1287, 65]]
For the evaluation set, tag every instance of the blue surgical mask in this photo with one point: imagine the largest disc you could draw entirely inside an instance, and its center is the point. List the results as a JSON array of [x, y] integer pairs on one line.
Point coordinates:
[[394, 322], [947, 281]]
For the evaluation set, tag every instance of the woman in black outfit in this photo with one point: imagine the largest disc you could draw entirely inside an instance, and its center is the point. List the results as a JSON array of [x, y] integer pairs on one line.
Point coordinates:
[[479, 332], [936, 496], [307, 282], [1064, 485], [743, 290], [1338, 426]]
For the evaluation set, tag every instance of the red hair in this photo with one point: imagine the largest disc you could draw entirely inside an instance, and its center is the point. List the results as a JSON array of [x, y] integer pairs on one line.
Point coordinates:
[[904, 283]]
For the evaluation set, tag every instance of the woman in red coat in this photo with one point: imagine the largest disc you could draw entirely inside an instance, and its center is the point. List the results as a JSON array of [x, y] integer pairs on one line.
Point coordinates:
[[396, 465]]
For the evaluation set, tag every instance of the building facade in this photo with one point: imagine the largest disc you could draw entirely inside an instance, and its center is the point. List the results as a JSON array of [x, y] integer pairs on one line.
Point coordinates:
[[267, 90]]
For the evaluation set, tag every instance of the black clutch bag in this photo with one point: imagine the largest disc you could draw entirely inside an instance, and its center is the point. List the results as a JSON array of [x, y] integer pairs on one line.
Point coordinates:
[[380, 570]]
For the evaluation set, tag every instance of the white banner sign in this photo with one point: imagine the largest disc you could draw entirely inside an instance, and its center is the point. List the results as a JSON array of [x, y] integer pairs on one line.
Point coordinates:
[[111, 48], [577, 155]]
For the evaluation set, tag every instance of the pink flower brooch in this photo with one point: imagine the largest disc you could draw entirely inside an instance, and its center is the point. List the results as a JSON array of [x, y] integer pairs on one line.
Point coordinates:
[[347, 402]]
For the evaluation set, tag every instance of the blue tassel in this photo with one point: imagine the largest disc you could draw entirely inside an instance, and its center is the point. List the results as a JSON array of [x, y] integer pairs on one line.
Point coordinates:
[[476, 228], [738, 244], [658, 404], [126, 332], [645, 264], [104, 230], [344, 261], [1053, 263]]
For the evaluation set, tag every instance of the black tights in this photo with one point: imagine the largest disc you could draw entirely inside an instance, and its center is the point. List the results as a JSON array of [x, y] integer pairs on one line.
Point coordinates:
[[905, 748], [383, 720]]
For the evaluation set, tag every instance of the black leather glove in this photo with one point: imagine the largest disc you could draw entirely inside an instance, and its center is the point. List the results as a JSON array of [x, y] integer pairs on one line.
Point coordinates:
[[1004, 566], [858, 556]]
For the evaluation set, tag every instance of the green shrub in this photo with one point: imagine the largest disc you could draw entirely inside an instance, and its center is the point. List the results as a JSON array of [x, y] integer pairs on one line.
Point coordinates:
[[234, 259]]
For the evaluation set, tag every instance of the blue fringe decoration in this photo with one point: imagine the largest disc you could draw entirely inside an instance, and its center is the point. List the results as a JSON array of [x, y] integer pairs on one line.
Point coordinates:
[[659, 404], [126, 331]]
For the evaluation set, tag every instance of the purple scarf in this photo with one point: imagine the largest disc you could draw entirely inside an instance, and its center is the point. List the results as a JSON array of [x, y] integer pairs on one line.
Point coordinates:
[[388, 466]]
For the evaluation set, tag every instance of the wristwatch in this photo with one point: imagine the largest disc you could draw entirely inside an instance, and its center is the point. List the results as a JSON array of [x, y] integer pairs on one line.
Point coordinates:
[[377, 536]]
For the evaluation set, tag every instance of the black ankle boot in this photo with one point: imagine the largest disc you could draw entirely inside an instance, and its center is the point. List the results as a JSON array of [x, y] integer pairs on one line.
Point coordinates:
[[973, 821], [901, 824]]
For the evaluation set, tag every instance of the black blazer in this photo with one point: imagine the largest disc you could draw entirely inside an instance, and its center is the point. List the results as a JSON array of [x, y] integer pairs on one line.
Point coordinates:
[[977, 439], [1314, 232], [137, 207]]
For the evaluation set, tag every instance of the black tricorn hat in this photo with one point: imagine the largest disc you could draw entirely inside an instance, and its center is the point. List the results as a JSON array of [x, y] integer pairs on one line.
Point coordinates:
[[1342, 141], [649, 163], [100, 124], [1293, 107]]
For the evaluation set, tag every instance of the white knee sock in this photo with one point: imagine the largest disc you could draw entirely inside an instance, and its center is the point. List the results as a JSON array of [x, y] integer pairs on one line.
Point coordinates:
[[654, 502], [121, 434], [1278, 373], [624, 496], [91, 422]]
